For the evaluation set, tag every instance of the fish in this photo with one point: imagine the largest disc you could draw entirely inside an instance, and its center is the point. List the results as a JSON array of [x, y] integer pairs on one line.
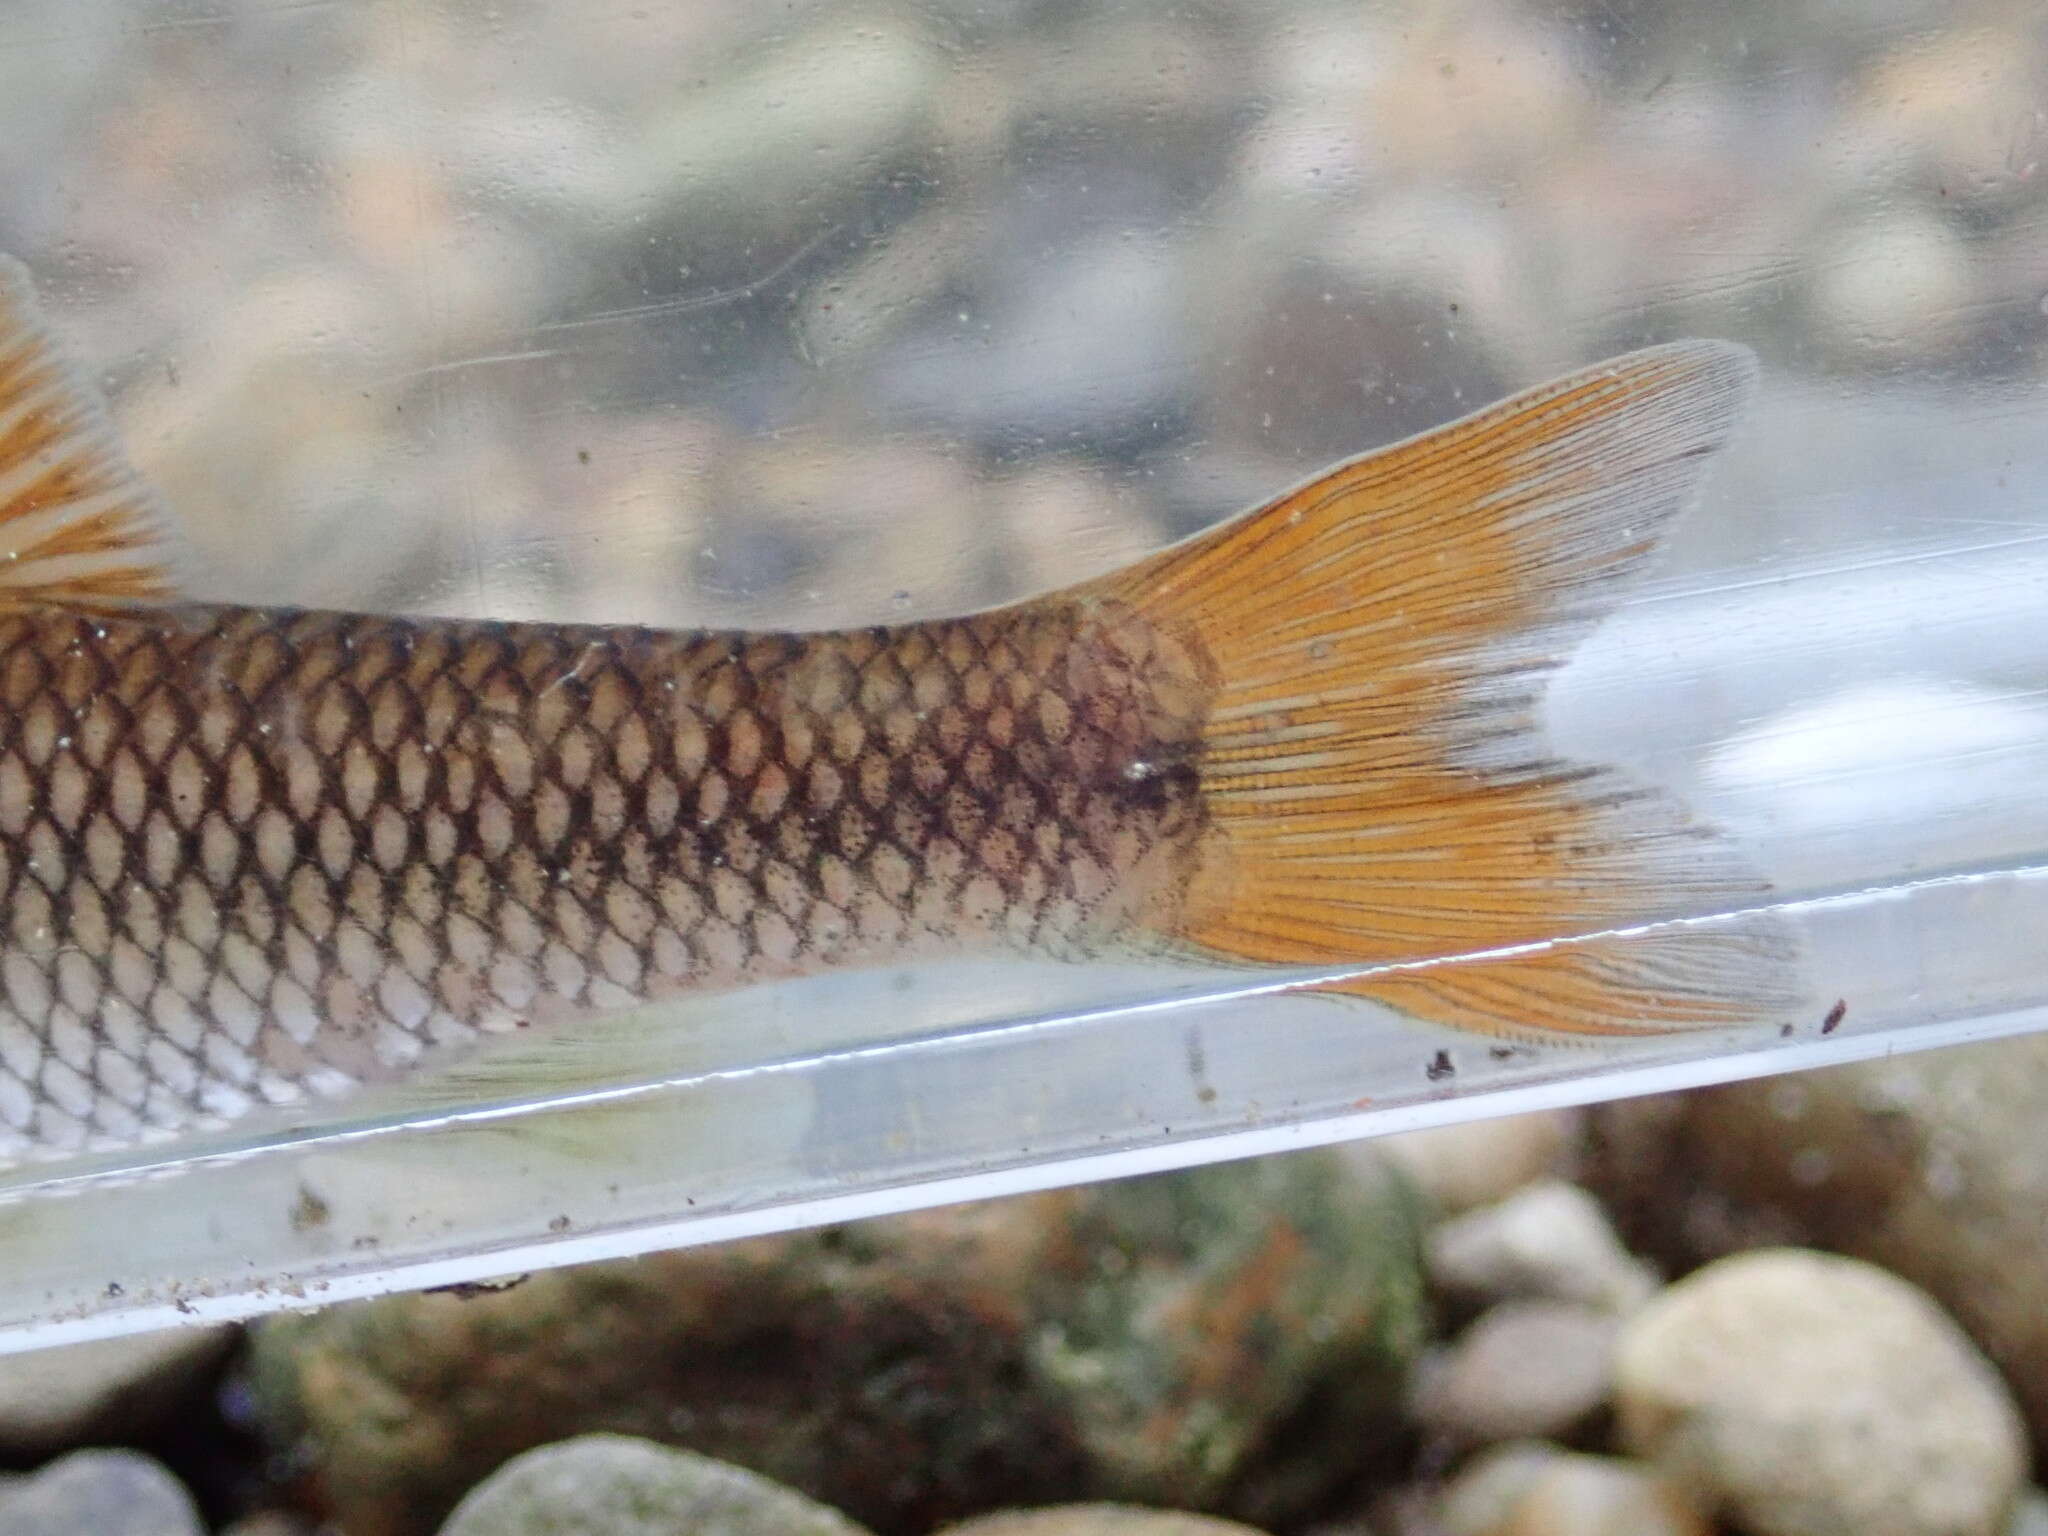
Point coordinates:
[[260, 856]]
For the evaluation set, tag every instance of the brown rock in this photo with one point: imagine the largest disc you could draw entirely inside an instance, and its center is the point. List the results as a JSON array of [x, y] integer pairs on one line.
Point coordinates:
[[1145, 1341], [52, 1399]]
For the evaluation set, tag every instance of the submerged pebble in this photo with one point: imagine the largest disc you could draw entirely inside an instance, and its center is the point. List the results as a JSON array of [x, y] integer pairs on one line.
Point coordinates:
[[2029, 1515], [1932, 1166], [1533, 1488], [615, 1485], [1896, 288], [1549, 1239], [1489, 1488], [271, 1522], [1603, 1496], [1525, 1368], [1098, 1520], [1810, 1395], [99, 1493]]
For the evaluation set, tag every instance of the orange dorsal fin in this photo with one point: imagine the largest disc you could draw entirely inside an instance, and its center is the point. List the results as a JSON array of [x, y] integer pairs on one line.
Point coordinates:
[[1377, 786], [77, 525]]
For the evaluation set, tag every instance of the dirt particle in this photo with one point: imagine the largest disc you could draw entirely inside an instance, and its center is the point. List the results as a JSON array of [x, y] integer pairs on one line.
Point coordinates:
[[309, 1210]]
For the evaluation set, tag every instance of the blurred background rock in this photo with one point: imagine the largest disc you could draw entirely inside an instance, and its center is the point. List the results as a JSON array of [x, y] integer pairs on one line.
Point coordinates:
[[719, 313]]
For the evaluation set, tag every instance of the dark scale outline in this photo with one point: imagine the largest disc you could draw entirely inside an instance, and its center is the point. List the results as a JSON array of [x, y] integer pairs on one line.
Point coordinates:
[[994, 753]]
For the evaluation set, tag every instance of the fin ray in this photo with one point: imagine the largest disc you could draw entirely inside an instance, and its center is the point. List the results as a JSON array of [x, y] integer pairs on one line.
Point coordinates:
[[1378, 788], [77, 525]]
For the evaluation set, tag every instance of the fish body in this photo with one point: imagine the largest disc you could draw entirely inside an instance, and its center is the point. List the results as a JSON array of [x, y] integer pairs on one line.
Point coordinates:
[[254, 855], [246, 852]]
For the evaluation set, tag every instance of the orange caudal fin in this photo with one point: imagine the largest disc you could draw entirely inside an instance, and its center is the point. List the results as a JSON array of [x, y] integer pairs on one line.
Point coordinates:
[[1377, 787], [76, 524]]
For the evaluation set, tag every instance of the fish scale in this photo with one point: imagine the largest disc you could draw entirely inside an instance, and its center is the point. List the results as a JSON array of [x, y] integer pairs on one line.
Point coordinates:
[[249, 854], [252, 854]]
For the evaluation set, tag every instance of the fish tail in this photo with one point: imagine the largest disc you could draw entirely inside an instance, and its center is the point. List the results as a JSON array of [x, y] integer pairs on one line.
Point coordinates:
[[1375, 786], [77, 525]]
